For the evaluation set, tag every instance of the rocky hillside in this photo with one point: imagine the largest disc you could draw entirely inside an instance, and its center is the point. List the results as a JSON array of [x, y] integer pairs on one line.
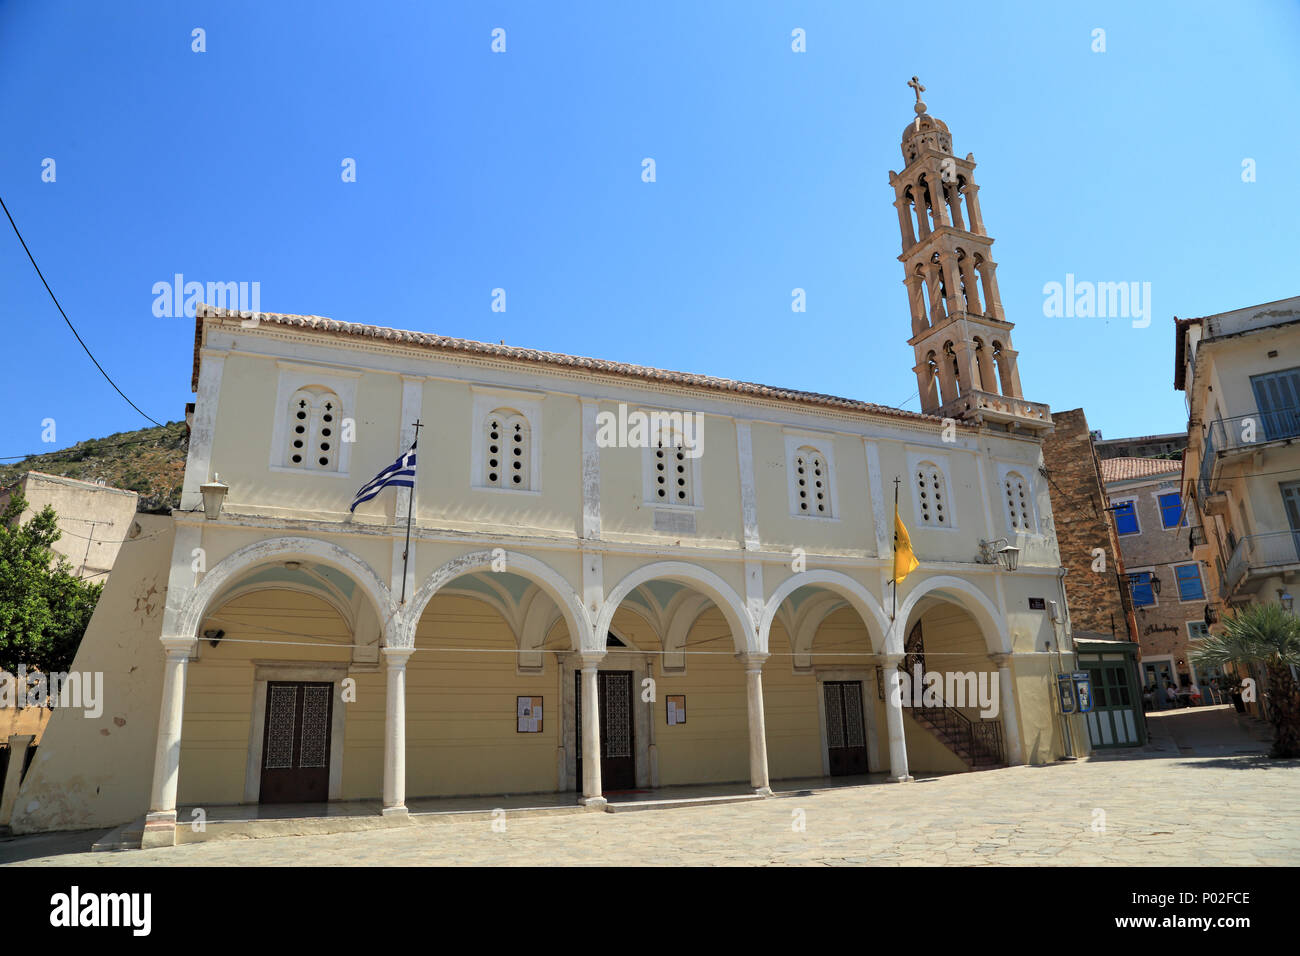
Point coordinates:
[[150, 461]]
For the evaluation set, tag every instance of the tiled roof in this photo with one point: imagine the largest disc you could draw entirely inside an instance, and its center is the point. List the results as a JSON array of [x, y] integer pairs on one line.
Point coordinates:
[[1126, 469], [320, 324]]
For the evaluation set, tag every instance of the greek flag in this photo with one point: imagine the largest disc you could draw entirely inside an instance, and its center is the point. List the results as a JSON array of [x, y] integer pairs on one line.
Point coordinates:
[[400, 474]]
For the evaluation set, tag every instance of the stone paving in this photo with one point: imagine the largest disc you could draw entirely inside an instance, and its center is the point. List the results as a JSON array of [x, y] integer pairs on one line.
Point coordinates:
[[1150, 808]]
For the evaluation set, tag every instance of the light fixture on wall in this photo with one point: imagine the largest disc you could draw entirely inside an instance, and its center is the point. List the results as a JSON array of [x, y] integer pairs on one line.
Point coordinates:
[[1008, 555], [1285, 599], [214, 492], [1131, 581], [214, 637]]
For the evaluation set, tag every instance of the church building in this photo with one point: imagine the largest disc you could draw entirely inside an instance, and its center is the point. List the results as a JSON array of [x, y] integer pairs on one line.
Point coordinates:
[[613, 577]]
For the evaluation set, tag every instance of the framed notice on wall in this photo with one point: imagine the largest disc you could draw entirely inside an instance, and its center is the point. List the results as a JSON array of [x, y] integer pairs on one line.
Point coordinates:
[[676, 709], [528, 711]]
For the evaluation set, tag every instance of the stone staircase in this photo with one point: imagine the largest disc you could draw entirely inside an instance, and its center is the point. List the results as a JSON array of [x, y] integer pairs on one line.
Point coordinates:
[[977, 743]]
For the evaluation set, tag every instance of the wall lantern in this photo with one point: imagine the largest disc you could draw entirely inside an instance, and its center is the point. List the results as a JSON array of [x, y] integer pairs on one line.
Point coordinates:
[[1285, 599], [214, 492], [1008, 555], [214, 637]]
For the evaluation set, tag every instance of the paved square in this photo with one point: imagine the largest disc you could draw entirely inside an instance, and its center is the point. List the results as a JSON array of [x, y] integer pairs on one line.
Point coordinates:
[[1228, 810]]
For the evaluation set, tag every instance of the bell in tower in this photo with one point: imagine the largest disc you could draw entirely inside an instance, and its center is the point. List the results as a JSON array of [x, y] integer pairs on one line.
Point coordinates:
[[965, 364]]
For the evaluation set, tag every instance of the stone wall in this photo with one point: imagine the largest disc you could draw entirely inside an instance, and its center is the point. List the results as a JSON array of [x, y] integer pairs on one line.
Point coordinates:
[[1097, 602]]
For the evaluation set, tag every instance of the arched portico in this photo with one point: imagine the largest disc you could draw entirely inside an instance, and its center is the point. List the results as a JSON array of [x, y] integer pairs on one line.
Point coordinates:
[[269, 551], [961, 592], [543, 575], [818, 675], [484, 632], [960, 634], [223, 583], [704, 750], [709, 583]]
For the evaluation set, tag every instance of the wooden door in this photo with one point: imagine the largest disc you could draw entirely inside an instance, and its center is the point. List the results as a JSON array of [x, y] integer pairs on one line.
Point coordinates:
[[617, 738], [846, 738], [1114, 720], [296, 743]]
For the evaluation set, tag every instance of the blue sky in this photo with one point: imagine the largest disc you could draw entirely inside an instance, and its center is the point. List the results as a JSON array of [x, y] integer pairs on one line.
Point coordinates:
[[522, 171]]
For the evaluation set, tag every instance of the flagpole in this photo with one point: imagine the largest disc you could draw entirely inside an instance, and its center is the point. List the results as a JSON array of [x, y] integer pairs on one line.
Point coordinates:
[[410, 507], [893, 613]]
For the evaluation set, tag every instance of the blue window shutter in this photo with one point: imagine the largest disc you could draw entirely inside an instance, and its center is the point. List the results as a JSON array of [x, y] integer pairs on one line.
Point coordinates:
[[1126, 521], [1171, 510], [1278, 396], [1189, 583], [1142, 591]]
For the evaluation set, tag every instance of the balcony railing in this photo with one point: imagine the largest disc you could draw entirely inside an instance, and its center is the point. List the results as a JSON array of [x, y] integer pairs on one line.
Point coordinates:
[[1196, 538], [1245, 432], [1260, 552]]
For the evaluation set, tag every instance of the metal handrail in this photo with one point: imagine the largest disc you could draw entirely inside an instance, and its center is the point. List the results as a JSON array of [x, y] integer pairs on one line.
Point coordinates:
[[1254, 551], [1245, 431]]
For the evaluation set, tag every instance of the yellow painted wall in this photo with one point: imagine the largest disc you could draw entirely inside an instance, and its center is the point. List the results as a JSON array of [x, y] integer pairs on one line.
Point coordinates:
[[713, 745], [220, 685], [461, 730]]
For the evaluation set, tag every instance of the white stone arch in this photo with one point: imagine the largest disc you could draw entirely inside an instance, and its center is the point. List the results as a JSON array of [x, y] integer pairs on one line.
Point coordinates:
[[346, 613], [270, 550], [738, 618], [861, 600], [966, 596], [541, 574]]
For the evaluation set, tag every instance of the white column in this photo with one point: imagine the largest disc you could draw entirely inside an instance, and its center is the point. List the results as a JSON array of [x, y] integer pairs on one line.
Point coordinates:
[[894, 720], [591, 793], [1007, 706], [757, 725], [395, 731], [160, 822]]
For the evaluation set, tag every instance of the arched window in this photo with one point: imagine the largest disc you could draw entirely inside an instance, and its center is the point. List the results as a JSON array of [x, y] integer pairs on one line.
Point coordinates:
[[1020, 506], [812, 483], [506, 450], [673, 479], [932, 496], [997, 364], [315, 416]]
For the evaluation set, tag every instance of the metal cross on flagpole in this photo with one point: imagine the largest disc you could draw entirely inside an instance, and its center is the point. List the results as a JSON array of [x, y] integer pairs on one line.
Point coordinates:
[[410, 507]]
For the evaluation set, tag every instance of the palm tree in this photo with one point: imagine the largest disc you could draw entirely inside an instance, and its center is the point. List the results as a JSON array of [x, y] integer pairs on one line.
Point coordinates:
[[1269, 635]]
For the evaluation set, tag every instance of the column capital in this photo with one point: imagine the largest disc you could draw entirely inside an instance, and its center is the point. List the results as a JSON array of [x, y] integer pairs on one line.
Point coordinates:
[[1002, 658], [591, 659], [397, 656], [891, 660], [752, 660], [178, 647]]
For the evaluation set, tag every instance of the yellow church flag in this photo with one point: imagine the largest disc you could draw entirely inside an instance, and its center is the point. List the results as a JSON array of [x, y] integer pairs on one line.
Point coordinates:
[[904, 560]]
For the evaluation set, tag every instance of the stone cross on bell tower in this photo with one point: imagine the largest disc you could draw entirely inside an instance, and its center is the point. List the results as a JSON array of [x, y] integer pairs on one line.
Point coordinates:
[[965, 365]]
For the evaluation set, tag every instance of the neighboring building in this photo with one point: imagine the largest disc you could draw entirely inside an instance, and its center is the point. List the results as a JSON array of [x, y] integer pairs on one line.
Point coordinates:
[[1167, 583], [94, 519], [1099, 604], [1240, 371], [1100, 607], [736, 551], [1145, 446]]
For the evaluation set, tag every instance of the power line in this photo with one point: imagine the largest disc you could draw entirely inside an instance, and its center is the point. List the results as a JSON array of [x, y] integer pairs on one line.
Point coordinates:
[[65, 315], [51, 454]]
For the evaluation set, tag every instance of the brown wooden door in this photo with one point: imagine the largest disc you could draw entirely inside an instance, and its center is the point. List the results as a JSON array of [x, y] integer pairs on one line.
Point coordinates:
[[846, 739], [296, 744], [617, 740]]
